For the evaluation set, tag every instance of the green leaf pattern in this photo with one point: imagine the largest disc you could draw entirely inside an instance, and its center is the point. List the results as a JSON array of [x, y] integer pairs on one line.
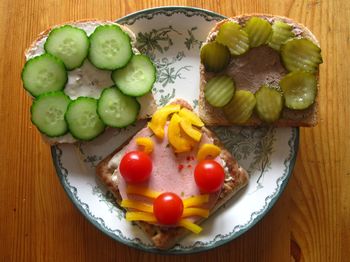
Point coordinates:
[[250, 143]]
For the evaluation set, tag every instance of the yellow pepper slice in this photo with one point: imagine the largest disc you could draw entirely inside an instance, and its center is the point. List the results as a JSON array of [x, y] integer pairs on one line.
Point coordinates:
[[192, 117], [195, 200], [146, 143], [195, 211], [189, 130], [179, 142], [190, 226], [142, 191], [159, 119], [140, 216], [128, 203], [208, 150]]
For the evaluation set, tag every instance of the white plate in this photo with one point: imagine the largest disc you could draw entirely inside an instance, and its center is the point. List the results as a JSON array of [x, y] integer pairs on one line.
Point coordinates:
[[171, 36]]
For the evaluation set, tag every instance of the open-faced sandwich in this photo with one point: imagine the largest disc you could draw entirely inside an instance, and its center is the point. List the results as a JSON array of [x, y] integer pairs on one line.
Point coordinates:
[[172, 175], [71, 72], [259, 69]]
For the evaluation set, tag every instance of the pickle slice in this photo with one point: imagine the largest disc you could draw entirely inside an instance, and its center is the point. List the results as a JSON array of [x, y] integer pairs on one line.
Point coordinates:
[[219, 90], [299, 89], [269, 104], [281, 32], [301, 55], [241, 107], [259, 31], [215, 56], [231, 35]]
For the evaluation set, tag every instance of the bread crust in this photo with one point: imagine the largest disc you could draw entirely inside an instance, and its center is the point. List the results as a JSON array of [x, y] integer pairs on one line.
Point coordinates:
[[215, 116], [163, 237]]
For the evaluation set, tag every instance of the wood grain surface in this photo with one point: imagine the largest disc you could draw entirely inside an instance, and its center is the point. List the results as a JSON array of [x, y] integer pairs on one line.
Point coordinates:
[[311, 220]]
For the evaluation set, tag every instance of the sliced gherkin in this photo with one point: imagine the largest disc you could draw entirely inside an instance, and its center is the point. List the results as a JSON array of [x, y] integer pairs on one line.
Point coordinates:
[[301, 55], [299, 89], [269, 104], [231, 35], [240, 108], [219, 90], [281, 32], [259, 31], [215, 56]]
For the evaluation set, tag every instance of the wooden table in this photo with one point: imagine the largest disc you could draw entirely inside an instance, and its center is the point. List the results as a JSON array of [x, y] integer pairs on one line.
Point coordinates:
[[311, 220]]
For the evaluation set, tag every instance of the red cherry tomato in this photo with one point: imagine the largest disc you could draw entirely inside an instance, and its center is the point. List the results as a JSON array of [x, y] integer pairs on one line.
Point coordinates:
[[168, 208], [135, 167], [209, 176]]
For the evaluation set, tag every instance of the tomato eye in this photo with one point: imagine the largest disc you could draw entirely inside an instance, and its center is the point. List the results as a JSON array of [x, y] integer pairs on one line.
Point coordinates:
[[209, 176], [168, 208], [135, 167]]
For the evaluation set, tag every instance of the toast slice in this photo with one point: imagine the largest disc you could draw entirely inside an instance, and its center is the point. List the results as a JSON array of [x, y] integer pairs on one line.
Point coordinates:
[[247, 72], [89, 74], [166, 237]]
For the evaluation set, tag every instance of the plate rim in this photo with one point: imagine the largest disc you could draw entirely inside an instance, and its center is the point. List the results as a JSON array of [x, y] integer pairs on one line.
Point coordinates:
[[55, 153]]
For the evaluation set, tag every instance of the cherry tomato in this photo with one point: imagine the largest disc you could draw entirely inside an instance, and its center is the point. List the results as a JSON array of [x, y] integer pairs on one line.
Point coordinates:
[[209, 176], [168, 208], [135, 167]]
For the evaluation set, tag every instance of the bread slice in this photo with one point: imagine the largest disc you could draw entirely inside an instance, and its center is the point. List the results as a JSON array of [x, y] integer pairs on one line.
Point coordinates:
[[147, 102], [264, 58], [162, 237]]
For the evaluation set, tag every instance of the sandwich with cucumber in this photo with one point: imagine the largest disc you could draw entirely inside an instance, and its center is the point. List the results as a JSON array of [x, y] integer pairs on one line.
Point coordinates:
[[259, 70], [87, 76]]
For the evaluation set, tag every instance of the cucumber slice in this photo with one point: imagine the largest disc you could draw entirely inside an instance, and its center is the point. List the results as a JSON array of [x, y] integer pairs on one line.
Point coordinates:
[[83, 120], [117, 109], [215, 56], [299, 89], [219, 90], [281, 32], [48, 113], [70, 44], [301, 55], [44, 73], [259, 31], [241, 107], [137, 78], [231, 35], [110, 47], [269, 104]]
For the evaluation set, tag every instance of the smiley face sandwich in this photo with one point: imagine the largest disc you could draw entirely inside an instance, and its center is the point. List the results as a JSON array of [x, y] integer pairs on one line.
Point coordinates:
[[172, 175]]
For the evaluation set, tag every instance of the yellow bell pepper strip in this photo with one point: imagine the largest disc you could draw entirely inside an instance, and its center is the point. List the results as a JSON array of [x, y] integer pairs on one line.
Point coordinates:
[[180, 143], [208, 150], [192, 117], [195, 211], [142, 191], [195, 200], [159, 119], [140, 216], [146, 143], [190, 226], [192, 132], [136, 205]]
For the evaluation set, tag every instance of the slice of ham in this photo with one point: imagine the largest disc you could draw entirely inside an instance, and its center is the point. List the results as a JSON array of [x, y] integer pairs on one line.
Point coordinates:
[[171, 172]]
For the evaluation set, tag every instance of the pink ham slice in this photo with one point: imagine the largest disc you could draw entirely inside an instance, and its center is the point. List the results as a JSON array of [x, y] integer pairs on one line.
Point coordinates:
[[171, 172]]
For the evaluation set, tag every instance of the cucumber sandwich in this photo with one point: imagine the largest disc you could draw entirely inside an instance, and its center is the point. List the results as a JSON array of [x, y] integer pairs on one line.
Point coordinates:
[[86, 76]]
